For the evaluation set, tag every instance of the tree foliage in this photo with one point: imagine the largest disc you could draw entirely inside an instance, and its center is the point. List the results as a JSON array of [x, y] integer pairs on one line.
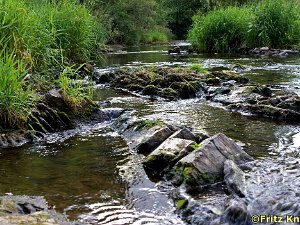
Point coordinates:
[[129, 21]]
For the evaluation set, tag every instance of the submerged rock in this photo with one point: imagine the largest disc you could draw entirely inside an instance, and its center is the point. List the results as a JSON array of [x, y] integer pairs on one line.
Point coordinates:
[[265, 51], [19, 138], [175, 50], [267, 111]]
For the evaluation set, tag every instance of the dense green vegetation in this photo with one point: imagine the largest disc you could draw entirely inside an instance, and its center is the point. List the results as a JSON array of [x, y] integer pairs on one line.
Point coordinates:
[[42, 38], [16, 98], [131, 21], [221, 30], [271, 23], [276, 24]]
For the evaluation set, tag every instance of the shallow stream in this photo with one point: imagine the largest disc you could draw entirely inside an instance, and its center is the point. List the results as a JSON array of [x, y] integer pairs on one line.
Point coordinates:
[[90, 174]]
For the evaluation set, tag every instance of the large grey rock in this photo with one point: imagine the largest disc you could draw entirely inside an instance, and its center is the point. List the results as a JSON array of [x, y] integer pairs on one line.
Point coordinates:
[[184, 134], [206, 165], [168, 153], [154, 139], [234, 178], [55, 99]]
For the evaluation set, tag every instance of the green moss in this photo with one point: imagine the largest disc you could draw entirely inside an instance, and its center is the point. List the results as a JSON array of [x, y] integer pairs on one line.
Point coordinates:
[[181, 204], [150, 90], [197, 68], [149, 123], [189, 89], [212, 80], [196, 147], [134, 87], [169, 93]]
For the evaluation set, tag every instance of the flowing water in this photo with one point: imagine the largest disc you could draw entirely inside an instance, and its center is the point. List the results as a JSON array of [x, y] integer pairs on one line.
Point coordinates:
[[90, 174]]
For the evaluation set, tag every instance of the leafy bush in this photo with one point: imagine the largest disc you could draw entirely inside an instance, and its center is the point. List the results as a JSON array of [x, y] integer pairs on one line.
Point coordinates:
[[221, 30], [16, 97], [276, 24], [130, 21]]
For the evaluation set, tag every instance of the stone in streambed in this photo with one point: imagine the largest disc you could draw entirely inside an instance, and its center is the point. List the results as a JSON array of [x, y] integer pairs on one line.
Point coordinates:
[[292, 103], [225, 75], [267, 111], [234, 178], [167, 154], [56, 100], [154, 139], [178, 145], [206, 164], [16, 210], [185, 134]]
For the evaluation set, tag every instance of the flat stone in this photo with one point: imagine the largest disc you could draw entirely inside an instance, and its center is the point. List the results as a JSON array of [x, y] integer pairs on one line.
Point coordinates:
[[168, 153], [153, 140]]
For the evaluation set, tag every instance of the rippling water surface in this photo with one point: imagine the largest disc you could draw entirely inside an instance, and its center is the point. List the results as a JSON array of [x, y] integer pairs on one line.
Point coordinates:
[[89, 173]]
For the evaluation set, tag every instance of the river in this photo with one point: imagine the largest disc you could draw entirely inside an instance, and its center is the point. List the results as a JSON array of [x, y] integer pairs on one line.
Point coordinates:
[[90, 174]]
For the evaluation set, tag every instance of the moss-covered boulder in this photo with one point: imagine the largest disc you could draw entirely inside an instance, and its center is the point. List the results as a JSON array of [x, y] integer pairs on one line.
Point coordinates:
[[150, 90], [224, 75], [266, 111]]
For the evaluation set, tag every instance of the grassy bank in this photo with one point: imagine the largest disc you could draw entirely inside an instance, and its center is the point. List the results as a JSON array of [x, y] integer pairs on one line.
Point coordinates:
[[43, 39], [271, 23]]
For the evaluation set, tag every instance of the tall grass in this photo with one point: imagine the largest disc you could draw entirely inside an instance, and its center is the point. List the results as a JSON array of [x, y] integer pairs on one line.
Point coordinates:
[[221, 30], [16, 98], [73, 28], [13, 19], [276, 24], [37, 31], [272, 23], [72, 91], [42, 37]]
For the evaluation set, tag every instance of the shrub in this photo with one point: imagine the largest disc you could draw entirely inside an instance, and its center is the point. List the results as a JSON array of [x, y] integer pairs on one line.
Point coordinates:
[[221, 30], [16, 97], [276, 24]]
